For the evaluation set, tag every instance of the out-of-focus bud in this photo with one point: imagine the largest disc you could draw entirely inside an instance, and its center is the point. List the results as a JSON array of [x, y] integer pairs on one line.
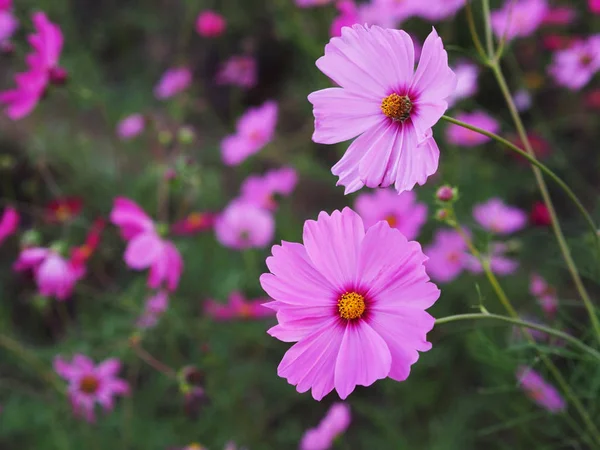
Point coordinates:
[[446, 194], [192, 375], [186, 135], [30, 238], [162, 229], [540, 216], [442, 215], [58, 76]]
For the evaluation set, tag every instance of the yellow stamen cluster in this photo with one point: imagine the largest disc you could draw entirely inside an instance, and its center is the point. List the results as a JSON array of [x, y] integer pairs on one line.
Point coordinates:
[[351, 306], [396, 107]]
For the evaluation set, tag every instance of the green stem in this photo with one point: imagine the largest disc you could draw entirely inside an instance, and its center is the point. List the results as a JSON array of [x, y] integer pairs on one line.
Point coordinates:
[[488, 29], [473, 31], [550, 331]]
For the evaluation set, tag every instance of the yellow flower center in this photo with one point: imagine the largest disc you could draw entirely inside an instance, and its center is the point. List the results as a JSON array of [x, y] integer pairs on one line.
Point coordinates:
[[351, 306], [396, 107], [392, 221], [89, 384]]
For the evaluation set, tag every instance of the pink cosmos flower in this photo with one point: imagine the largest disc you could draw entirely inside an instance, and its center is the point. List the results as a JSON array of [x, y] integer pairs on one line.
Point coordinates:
[[240, 70], [173, 82], [244, 225], [5, 5], [145, 248], [594, 6], [210, 24], [497, 217], [261, 190], [402, 211], [354, 302], [519, 18], [8, 223], [522, 99], [460, 136], [574, 67], [131, 126], [383, 101], [448, 256], [54, 275], [499, 263], [560, 15], [348, 16], [8, 25], [545, 294], [376, 13], [153, 310], [466, 82], [399, 10], [308, 3], [193, 223], [436, 10], [90, 384], [238, 308], [333, 425], [538, 390], [254, 130]]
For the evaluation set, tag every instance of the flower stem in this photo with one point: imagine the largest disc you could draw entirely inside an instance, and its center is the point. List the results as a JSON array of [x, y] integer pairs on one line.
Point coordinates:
[[488, 29], [473, 31]]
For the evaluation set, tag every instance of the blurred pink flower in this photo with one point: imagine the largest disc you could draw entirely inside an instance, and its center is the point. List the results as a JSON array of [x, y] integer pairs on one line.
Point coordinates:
[[131, 126], [89, 384], [519, 18], [146, 249], [210, 24], [560, 15], [545, 295], [261, 190], [238, 308], [173, 82], [522, 99], [594, 6], [383, 101], [377, 13], [193, 223], [538, 390], [575, 66], [499, 264], [308, 3], [448, 256], [436, 10], [240, 70], [466, 81], [348, 16], [9, 222], [497, 217], [153, 310], [460, 136], [244, 225], [333, 425], [403, 212], [399, 10], [254, 130], [353, 301], [5, 5], [8, 25], [540, 215]]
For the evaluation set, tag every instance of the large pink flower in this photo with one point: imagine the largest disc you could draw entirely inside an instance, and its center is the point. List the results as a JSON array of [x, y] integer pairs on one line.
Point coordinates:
[[575, 66], [497, 217], [90, 384], [244, 225], [9, 223], [518, 18], [386, 103], [402, 211], [448, 256], [536, 388], [353, 300], [333, 424]]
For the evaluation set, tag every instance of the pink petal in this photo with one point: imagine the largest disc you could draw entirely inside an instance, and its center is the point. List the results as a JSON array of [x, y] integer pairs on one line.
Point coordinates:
[[377, 161], [143, 250], [108, 368], [416, 163]]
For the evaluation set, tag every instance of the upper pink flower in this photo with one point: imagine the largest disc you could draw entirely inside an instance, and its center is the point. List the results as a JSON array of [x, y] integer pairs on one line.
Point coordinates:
[[560, 15], [594, 6], [254, 130], [210, 24], [146, 249], [173, 82], [153, 310], [8, 25], [353, 300], [240, 70], [575, 66], [333, 424], [348, 16], [131, 126], [539, 390], [436, 10], [466, 82], [545, 294], [497, 217], [238, 308], [386, 103], [457, 135], [90, 384], [9, 222], [47, 43], [448, 256], [519, 18], [244, 225], [261, 190], [402, 211]]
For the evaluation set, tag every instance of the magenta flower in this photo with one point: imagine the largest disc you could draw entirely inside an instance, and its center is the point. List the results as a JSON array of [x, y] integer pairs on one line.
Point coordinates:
[[386, 103], [89, 384], [9, 222], [193, 223], [153, 310], [240, 70], [497, 217], [594, 6], [5, 5], [466, 82], [560, 15], [519, 19], [353, 301], [308, 3], [173, 82], [131, 126], [575, 66], [538, 390], [545, 295], [460, 136], [145, 248], [333, 425], [348, 16], [254, 130], [448, 256], [376, 13], [499, 263], [402, 211], [244, 225], [261, 190], [210, 24], [399, 11], [238, 308], [436, 10], [8, 25]]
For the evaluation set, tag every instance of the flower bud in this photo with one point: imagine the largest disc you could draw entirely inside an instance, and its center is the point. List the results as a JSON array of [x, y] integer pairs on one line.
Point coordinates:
[[446, 194]]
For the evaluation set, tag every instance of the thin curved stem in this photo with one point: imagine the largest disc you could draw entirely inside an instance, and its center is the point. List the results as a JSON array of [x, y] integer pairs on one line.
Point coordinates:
[[488, 28], [551, 331], [473, 30]]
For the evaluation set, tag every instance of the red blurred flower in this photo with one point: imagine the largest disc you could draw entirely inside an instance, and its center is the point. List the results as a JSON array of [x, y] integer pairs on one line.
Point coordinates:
[[592, 99], [81, 254], [540, 146], [194, 223], [555, 41], [540, 216], [63, 209]]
